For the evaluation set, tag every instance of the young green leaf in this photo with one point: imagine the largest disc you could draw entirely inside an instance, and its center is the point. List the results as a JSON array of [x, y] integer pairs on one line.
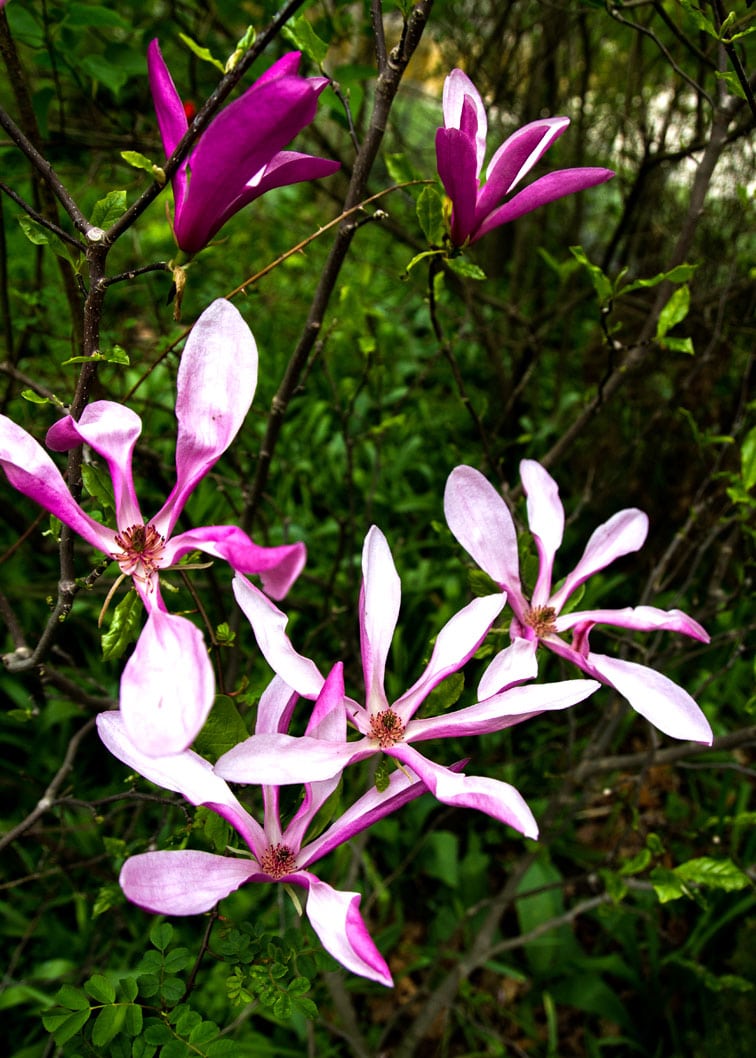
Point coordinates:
[[124, 627]]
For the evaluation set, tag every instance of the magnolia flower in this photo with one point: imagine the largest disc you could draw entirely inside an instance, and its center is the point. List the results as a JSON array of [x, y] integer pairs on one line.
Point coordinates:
[[167, 687], [391, 727], [238, 157], [188, 883], [481, 522], [461, 148]]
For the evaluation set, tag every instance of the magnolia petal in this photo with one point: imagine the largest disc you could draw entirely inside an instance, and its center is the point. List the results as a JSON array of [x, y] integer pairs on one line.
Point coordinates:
[[514, 159], [622, 534], [403, 787], [287, 760], [455, 645], [275, 708], [216, 382], [335, 917], [182, 882], [495, 798], [380, 599], [457, 167], [286, 66], [328, 723], [642, 618], [287, 167], [32, 472], [277, 567], [238, 143], [170, 114], [458, 88], [546, 189], [112, 431], [546, 521], [186, 773], [515, 663], [480, 520], [664, 704], [269, 625], [510, 707], [167, 686]]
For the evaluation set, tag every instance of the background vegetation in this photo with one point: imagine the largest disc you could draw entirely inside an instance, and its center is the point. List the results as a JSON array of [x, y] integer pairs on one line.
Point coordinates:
[[572, 358]]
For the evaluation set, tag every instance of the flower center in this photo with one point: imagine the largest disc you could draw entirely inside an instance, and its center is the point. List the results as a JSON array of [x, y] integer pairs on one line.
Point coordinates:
[[542, 619], [141, 551], [386, 728], [278, 861]]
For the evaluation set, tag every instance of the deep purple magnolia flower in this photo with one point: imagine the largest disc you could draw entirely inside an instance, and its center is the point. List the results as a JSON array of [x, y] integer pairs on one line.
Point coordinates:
[[390, 727], [238, 157], [188, 883], [461, 149], [167, 686], [480, 520]]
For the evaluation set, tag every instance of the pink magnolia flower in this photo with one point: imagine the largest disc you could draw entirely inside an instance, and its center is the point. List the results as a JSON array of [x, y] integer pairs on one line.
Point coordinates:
[[391, 727], [481, 522], [187, 882], [167, 687], [238, 157], [461, 149]]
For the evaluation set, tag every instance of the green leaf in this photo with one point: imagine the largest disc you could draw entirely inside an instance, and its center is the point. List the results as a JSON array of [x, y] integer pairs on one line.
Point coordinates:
[[110, 74], [133, 1021], [178, 960], [430, 214], [73, 998], [214, 827], [34, 231], [399, 168], [382, 775], [172, 990], [82, 15], [124, 627], [445, 695], [34, 398], [674, 311], [202, 1033], [223, 729], [108, 1024], [713, 874], [98, 485], [635, 864], [601, 282], [37, 234], [160, 935], [481, 584], [462, 267], [300, 33], [731, 79], [242, 47], [107, 211], [441, 857], [100, 989], [680, 274], [202, 53], [64, 1024], [221, 1049], [748, 460], [129, 988], [418, 258], [678, 345], [140, 161]]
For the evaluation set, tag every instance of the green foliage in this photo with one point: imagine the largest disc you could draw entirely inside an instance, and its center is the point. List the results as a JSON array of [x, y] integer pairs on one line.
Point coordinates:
[[638, 902]]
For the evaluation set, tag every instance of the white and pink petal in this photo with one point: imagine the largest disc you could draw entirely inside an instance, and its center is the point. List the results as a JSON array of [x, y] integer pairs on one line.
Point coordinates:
[[182, 882], [167, 686]]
